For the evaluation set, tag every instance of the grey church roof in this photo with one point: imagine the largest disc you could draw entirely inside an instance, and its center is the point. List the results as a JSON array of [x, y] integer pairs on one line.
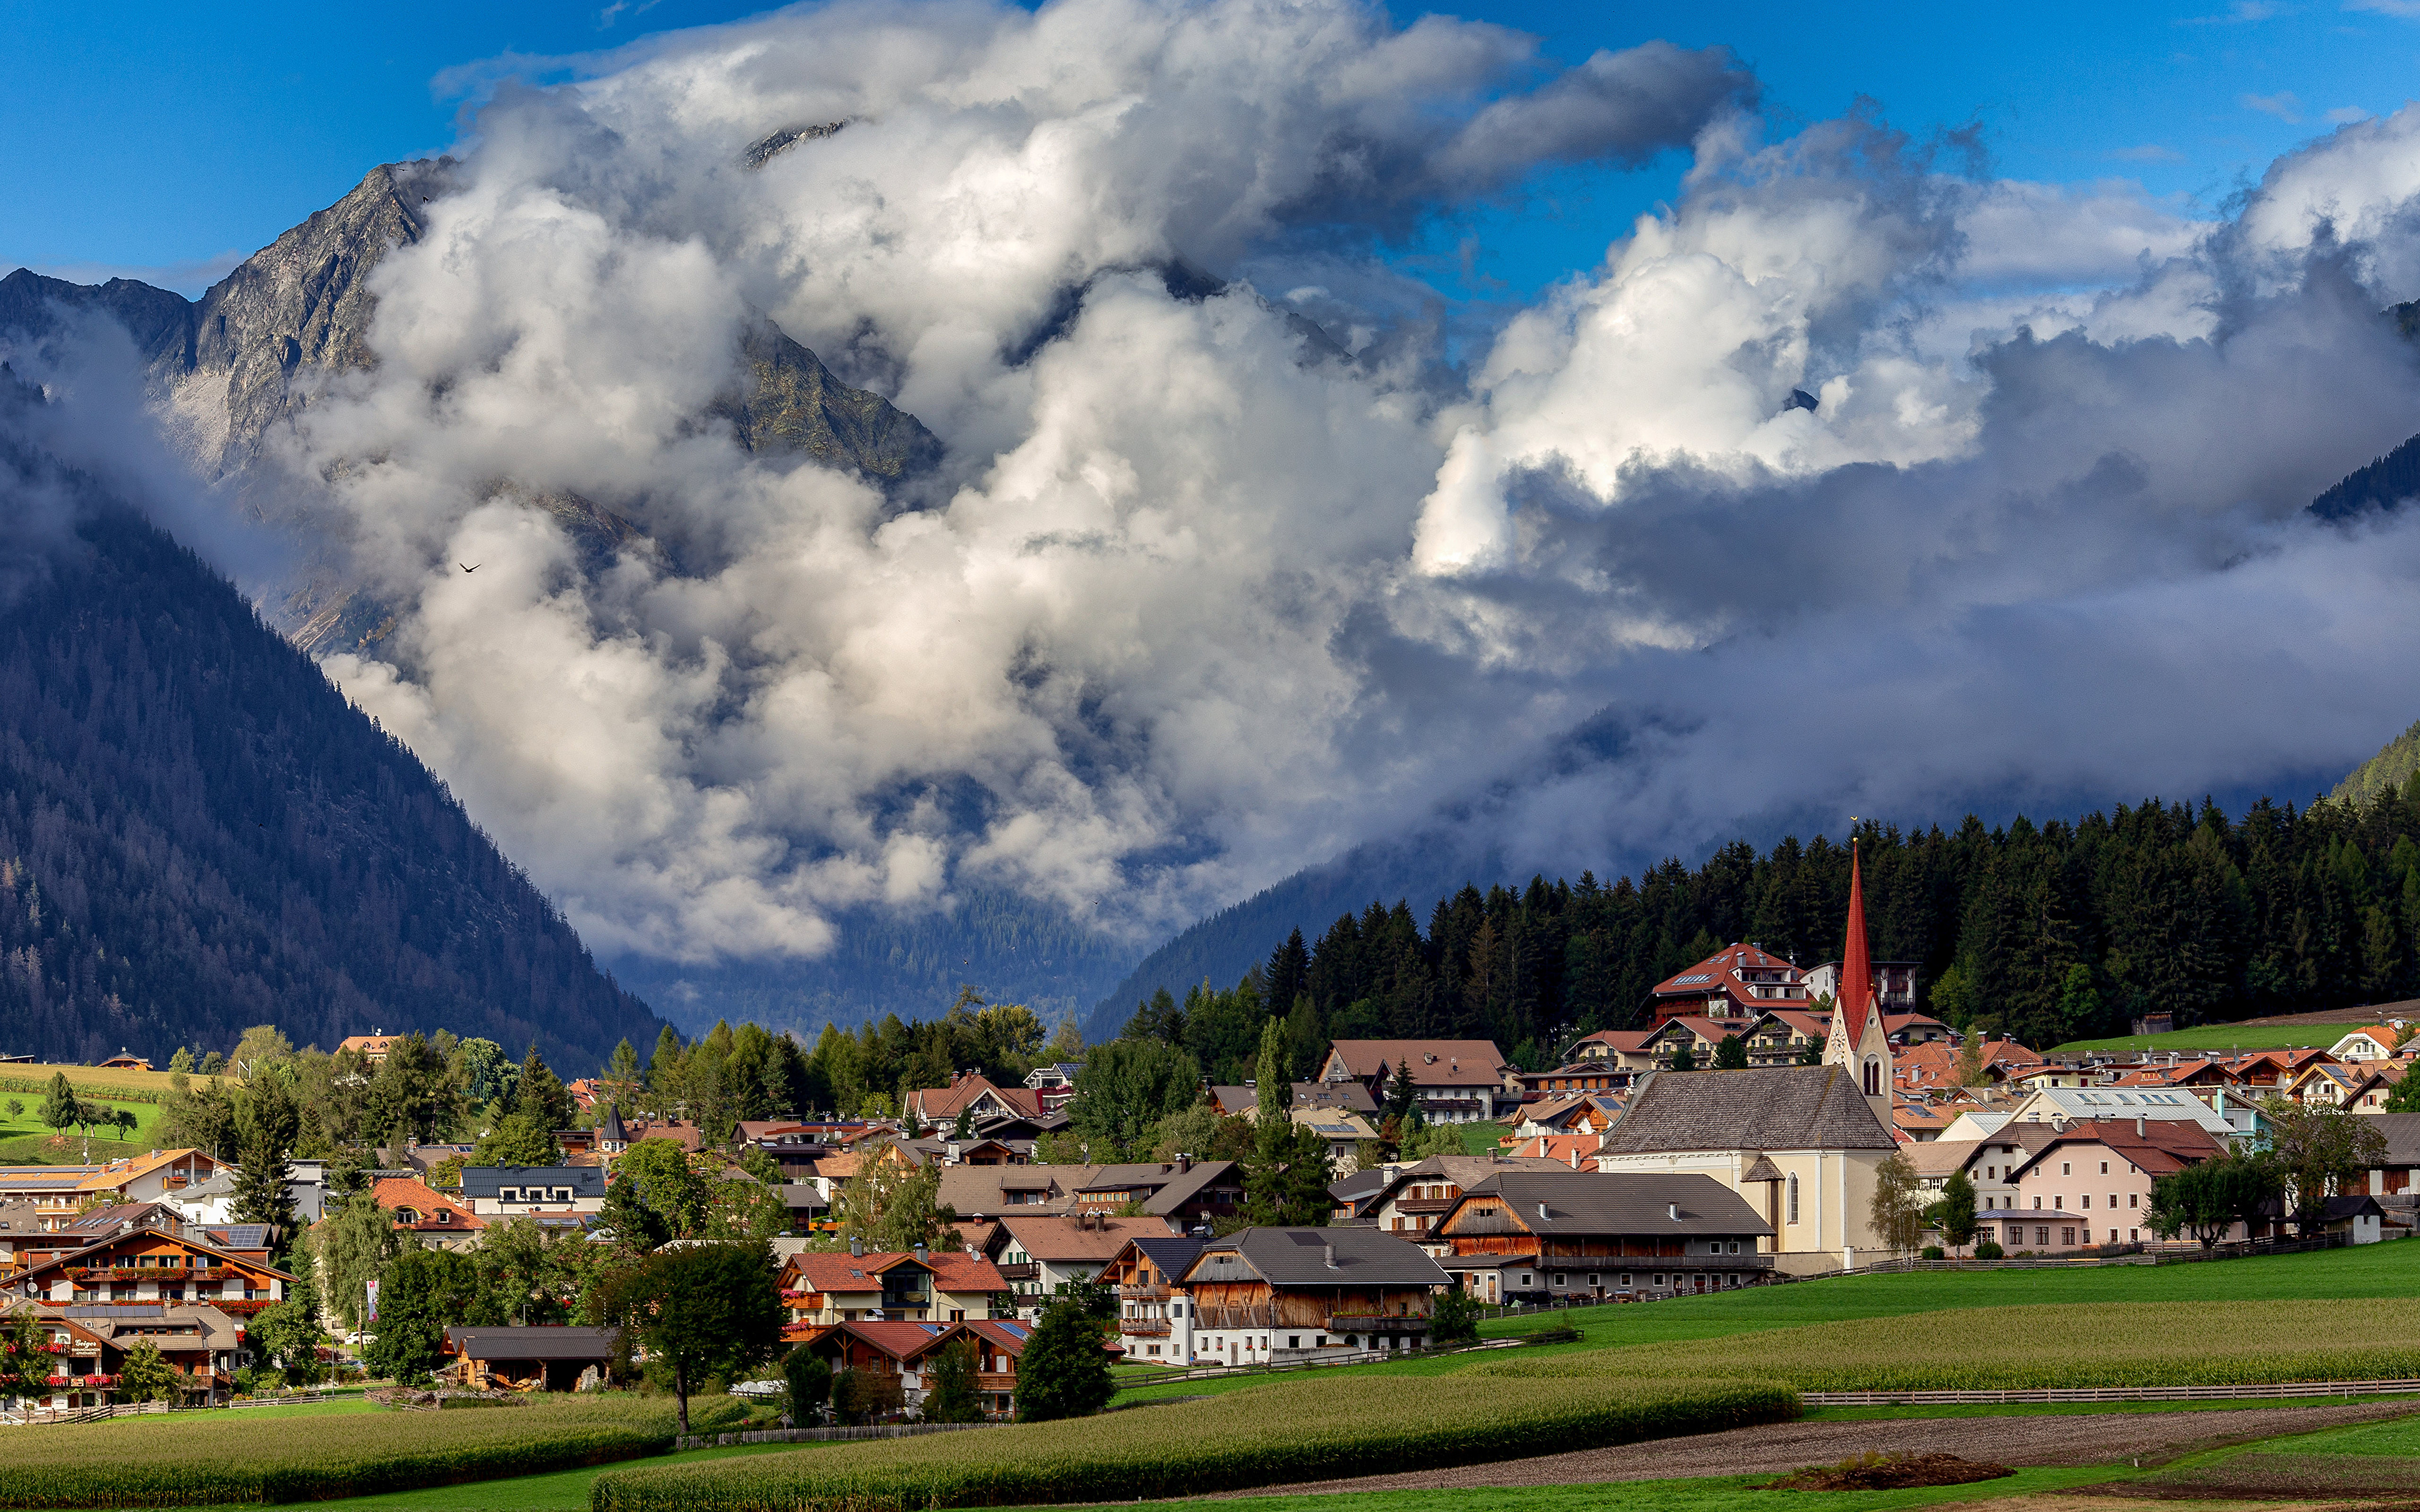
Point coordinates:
[[1782, 1107], [1572, 1203]]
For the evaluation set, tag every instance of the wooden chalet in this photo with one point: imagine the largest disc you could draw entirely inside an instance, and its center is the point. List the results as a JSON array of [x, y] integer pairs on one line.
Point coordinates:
[[1535, 1236], [900, 1286], [1267, 1294], [145, 1253], [904, 1352], [547, 1358], [1155, 1315]]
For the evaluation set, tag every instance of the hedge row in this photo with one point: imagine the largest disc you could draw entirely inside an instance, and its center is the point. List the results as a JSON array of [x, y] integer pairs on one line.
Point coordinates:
[[201, 1459], [1289, 1431], [2012, 1348]]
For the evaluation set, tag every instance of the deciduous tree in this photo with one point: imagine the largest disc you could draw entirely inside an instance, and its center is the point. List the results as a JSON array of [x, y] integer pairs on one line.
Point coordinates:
[[1063, 1371], [707, 1312], [1897, 1208]]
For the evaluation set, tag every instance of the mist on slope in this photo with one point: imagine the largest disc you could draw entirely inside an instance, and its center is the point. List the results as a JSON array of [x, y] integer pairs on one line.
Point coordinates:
[[1199, 598]]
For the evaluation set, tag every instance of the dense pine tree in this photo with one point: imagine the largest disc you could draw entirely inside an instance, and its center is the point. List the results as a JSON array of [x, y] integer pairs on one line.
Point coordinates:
[[2049, 932]]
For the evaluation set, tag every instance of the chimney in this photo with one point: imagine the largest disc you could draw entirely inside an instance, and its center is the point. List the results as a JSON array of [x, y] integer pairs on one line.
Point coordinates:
[[856, 1246], [1673, 1210], [1541, 1212], [919, 1249], [2142, 1128], [1184, 1163], [1327, 1252]]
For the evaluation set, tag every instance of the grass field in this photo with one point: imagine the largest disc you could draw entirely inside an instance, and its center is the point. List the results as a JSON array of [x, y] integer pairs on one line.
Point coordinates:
[[25, 1140], [2087, 1344], [257, 1454], [2228, 1037], [2370, 1270]]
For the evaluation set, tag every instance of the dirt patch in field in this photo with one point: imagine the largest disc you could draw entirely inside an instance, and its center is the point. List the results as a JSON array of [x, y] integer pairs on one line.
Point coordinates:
[[1887, 1473], [1777, 1448], [2253, 1477]]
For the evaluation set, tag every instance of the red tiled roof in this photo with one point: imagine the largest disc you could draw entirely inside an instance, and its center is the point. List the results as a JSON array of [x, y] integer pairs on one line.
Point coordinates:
[[393, 1191], [1720, 976]]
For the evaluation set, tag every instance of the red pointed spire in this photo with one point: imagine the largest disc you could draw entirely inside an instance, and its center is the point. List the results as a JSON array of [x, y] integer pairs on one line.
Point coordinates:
[[1856, 968]]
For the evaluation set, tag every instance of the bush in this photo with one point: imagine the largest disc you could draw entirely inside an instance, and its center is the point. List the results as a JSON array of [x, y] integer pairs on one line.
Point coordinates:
[[1989, 1250], [1933, 1251], [1454, 1318], [1289, 1430], [219, 1458]]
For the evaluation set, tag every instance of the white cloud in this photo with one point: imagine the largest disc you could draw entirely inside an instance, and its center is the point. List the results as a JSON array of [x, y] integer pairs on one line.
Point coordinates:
[[1196, 601]]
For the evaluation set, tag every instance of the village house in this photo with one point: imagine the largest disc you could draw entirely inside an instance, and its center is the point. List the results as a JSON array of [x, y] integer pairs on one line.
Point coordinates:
[[1455, 1081], [203, 1341], [1783, 1035], [2057, 1105], [1418, 1195], [1893, 986], [533, 1191], [1055, 1083], [2376, 1043], [2377, 1083], [1622, 1049], [974, 1097], [2399, 1173], [1244, 1102], [2090, 1182], [1540, 1236], [144, 1253], [1348, 1135], [900, 1285], [1268, 1295], [1701, 1036], [1578, 1076], [903, 1353], [1039, 1253], [1155, 1318], [372, 1048], [1737, 982], [552, 1357], [438, 1221]]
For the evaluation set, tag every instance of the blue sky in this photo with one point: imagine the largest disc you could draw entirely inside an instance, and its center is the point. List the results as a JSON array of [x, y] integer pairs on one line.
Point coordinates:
[[173, 135]]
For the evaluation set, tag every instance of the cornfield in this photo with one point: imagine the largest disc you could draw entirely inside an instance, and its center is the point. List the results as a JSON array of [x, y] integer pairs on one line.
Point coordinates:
[[1994, 1348], [1289, 1431], [198, 1458]]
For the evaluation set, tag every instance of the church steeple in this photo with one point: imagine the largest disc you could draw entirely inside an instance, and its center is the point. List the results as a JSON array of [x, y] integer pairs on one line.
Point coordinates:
[[1857, 1037]]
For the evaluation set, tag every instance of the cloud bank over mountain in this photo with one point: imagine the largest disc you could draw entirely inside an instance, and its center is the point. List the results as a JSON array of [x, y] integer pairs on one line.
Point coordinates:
[[1204, 591]]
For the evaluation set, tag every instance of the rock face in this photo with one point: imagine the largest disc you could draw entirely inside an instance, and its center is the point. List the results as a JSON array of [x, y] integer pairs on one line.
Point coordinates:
[[792, 403], [298, 310], [261, 343]]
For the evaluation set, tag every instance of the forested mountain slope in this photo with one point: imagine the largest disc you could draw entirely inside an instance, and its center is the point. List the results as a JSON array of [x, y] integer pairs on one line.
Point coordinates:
[[2049, 933], [198, 833]]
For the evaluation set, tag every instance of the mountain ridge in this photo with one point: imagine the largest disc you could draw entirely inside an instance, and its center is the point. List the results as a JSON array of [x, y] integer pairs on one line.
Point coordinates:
[[200, 833]]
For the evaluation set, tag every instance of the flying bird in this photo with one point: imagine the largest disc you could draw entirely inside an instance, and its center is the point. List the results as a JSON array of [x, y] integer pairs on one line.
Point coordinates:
[[471, 569]]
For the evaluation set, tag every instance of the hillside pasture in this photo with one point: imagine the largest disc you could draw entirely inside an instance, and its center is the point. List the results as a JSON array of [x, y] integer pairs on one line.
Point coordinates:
[[2220, 1037]]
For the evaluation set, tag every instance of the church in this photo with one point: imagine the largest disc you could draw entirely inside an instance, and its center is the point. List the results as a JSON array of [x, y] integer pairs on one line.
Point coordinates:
[[1800, 1143]]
